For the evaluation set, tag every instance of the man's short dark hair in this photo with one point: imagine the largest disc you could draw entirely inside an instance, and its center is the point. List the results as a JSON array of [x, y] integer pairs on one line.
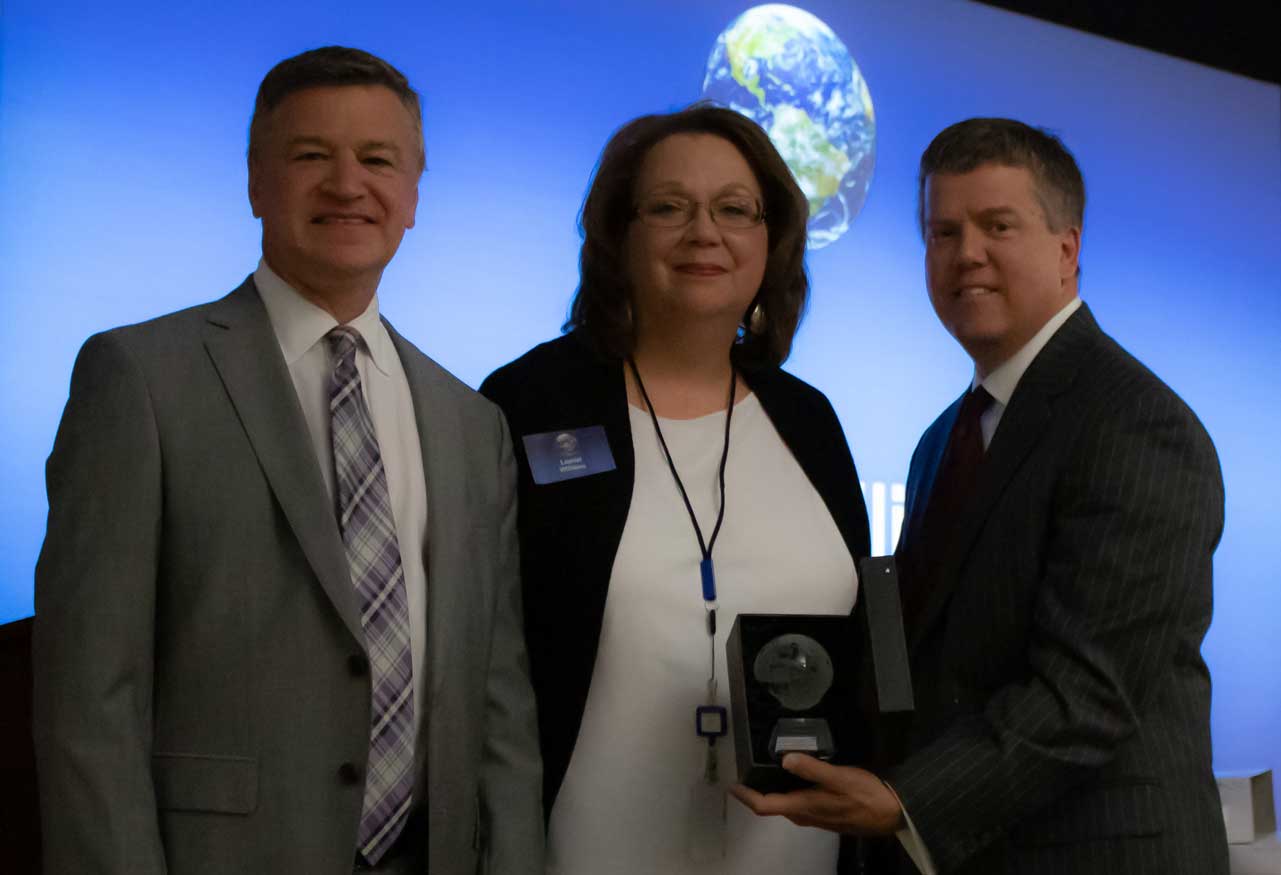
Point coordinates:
[[326, 67], [602, 306], [974, 142]]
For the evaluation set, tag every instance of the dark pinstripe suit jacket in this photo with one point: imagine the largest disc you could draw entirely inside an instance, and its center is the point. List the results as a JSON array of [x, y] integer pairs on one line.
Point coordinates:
[[1063, 714]]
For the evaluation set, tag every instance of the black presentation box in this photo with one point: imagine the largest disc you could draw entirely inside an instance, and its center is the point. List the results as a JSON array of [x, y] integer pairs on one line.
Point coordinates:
[[869, 675], [755, 711]]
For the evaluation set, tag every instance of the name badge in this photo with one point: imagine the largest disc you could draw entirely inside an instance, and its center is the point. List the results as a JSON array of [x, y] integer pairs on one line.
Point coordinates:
[[564, 455]]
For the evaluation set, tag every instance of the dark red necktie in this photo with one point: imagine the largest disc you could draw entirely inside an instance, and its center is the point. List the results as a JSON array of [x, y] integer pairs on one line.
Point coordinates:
[[953, 484]]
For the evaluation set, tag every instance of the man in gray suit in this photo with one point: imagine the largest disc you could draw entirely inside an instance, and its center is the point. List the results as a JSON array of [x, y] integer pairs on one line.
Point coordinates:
[[1055, 561], [277, 609]]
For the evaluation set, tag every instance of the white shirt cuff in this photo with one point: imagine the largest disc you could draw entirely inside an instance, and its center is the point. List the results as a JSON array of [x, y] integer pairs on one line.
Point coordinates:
[[911, 841]]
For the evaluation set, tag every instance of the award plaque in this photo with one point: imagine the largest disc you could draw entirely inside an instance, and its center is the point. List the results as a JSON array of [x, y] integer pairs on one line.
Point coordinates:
[[792, 681], [797, 681]]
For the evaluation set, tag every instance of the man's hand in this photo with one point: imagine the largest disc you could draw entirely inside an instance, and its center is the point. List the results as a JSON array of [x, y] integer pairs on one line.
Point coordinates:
[[845, 799]]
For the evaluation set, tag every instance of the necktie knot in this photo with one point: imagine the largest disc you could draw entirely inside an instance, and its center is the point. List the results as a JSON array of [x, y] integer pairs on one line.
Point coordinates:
[[973, 406], [343, 341], [976, 402]]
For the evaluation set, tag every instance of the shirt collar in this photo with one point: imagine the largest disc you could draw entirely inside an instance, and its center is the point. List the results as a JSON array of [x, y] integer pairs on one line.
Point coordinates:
[[1004, 379], [300, 324]]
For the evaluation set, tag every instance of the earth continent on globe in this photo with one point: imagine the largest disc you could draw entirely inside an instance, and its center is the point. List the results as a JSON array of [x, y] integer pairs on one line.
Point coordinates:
[[787, 71]]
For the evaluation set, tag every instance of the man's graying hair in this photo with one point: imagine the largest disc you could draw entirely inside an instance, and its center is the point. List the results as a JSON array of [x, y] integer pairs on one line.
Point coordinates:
[[970, 144], [327, 67]]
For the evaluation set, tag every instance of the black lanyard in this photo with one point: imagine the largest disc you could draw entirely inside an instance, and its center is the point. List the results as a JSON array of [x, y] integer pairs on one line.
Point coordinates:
[[705, 567], [710, 720]]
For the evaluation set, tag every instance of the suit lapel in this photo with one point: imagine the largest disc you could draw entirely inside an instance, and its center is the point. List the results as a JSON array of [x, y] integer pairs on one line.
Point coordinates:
[[1023, 423], [245, 352], [440, 433]]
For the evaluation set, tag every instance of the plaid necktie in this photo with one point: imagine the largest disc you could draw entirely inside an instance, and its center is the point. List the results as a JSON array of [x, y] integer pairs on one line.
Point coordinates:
[[369, 534]]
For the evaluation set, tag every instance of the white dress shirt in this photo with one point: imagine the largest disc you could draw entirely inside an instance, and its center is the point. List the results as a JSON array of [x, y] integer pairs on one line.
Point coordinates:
[[1000, 384], [300, 327], [1004, 379]]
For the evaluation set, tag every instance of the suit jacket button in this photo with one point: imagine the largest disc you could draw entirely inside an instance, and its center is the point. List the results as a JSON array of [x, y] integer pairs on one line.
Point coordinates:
[[358, 665], [348, 773]]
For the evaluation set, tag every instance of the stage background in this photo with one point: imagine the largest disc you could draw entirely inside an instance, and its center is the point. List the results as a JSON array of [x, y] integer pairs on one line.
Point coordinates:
[[122, 179]]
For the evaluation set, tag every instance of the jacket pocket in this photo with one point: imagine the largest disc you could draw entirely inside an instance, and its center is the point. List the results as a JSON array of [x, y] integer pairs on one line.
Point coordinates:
[[1131, 808], [198, 782]]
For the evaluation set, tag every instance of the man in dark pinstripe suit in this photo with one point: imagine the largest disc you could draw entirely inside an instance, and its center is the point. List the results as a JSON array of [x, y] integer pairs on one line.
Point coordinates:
[[1056, 575]]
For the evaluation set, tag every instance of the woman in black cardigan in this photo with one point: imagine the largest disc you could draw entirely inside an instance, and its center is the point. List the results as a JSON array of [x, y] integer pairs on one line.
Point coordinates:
[[661, 416]]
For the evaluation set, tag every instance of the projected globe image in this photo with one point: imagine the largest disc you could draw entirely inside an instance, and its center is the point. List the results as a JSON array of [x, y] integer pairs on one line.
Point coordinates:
[[785, 69]]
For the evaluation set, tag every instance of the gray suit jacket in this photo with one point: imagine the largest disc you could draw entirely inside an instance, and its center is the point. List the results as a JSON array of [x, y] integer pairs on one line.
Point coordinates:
[[202, 695], [1063, 708]]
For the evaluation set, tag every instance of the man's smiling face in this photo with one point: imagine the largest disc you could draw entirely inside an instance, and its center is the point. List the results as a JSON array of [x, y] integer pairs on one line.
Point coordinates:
[[335, 182], [995, 268]]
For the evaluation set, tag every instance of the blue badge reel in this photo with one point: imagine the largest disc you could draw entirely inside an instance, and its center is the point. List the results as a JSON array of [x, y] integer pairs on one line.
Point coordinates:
[[568, 453]]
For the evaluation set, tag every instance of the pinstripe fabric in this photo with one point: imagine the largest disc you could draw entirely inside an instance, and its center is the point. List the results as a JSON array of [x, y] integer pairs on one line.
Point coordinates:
[[369, 535], [1063, 705]]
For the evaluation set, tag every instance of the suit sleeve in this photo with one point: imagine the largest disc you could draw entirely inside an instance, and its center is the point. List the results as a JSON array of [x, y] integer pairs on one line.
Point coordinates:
[[1137, 512], [93, 638], [511, 774]]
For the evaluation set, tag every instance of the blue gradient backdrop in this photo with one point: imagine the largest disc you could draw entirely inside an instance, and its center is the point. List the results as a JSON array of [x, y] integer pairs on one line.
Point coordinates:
[[122, 179]]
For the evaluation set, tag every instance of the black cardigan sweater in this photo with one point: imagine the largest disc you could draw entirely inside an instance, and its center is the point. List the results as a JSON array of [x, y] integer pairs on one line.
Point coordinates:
[[570, 530]]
